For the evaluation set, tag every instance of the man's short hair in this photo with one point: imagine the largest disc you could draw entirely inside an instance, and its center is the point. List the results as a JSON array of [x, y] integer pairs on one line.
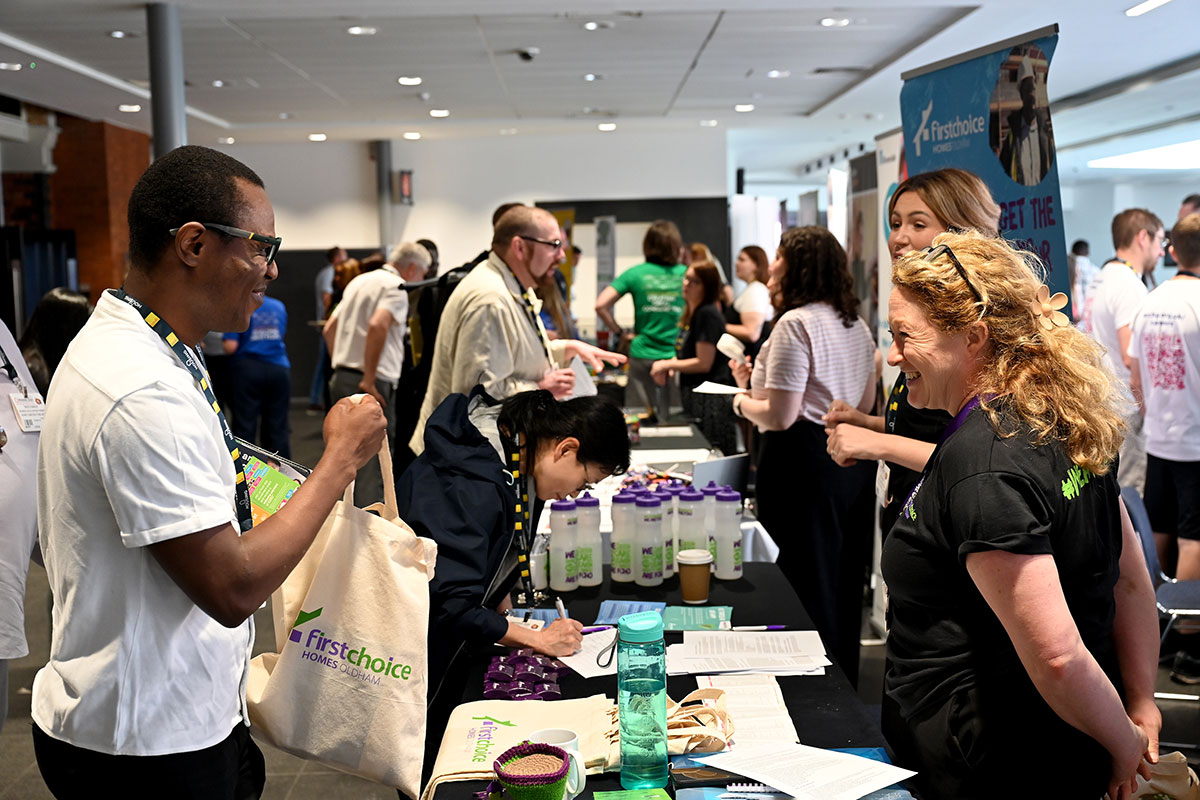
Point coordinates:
[[1185, 239], [501, 210], [1127, 225], [1192, 200], [188, 184], [331, 253], [518, 221], [1080, 248], [407, 253]]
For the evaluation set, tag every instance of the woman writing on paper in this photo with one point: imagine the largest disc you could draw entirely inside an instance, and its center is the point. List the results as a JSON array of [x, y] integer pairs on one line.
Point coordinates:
[[922, 207], [818, 513], [696, 361], [468, 492], [1024, 640]]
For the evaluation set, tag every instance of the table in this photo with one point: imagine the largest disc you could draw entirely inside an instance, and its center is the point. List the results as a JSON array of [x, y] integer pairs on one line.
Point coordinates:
[[825, 708]]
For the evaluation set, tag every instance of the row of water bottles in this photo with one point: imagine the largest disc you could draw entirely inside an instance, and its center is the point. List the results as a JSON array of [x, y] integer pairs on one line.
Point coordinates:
[[649, 529]]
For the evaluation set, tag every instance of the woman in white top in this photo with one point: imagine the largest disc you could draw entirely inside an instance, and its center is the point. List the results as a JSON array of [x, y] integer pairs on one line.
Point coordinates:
[[818, 513], [753, 304]]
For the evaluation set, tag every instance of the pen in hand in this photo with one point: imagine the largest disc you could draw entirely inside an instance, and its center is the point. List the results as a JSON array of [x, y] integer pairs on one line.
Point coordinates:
[[562, 610]]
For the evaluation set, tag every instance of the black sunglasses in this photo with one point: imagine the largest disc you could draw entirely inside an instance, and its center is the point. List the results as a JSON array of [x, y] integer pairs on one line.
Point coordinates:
[[555, 243], [933, 253], [272, 242]]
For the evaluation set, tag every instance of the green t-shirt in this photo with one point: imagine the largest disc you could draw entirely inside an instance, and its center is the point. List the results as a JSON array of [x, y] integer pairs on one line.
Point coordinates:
[[657, 304]]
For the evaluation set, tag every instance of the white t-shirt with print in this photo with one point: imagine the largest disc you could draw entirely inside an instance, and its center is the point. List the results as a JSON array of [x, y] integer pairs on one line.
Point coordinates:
[[132, 454], [1112, 302], [1166, 344]]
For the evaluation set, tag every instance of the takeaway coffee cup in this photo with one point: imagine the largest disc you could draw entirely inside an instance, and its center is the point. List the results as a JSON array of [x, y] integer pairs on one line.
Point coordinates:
[[694, 566], [568, 740]]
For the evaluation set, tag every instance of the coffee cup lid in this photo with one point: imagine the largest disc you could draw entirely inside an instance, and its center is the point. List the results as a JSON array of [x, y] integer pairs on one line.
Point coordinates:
[[694, 557]]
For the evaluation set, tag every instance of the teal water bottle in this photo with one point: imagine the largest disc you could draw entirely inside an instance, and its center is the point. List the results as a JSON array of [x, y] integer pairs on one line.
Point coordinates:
[[642, 700]]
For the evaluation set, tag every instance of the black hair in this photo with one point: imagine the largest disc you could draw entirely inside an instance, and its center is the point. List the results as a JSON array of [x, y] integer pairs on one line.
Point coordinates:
[[433, 253], [58, 317], [595, 422], [816, 273], [188, 184], [1080, 247]]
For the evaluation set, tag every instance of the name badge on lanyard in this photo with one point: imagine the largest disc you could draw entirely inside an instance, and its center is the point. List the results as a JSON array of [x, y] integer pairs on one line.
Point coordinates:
[[30, 411]]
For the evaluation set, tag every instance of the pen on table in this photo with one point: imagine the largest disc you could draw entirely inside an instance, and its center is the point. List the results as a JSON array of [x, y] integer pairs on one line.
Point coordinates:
[[597, 628], [759, 628], [562, 610]]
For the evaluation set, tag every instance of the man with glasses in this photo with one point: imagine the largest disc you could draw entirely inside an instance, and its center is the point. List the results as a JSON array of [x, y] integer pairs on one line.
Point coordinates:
[[365, 336], [150, 548], [1116, 294], [490, 331]]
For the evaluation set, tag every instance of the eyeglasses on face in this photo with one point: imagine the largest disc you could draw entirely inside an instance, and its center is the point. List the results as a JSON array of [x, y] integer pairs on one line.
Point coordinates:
[[272, 242], [932, 254], [555, 243]]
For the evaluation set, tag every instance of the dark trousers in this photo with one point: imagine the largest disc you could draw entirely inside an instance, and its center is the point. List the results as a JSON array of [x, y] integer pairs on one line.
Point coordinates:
[[821, 517], [368, 484], [229, 770], [261, 394]]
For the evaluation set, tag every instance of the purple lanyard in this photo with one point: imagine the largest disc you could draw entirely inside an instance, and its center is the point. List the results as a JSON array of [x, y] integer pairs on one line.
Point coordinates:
[[959, 419]]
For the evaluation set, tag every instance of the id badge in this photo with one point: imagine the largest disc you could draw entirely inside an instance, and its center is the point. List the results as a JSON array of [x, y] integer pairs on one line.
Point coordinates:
[[30, 411], [883, 474]]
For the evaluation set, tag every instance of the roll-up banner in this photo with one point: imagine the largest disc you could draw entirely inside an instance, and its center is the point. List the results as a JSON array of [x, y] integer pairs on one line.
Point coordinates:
[[987, 112]]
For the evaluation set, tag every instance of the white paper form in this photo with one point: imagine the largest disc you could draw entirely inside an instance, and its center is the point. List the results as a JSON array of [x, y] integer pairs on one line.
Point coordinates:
[[808, 773], [776, 652], [585, 385], [789, 643], [756, 704], [708, 387], [584, 662], [681, 661]]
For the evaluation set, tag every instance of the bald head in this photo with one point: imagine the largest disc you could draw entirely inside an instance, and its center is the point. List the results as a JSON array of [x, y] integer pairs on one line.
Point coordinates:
[[522, 221]]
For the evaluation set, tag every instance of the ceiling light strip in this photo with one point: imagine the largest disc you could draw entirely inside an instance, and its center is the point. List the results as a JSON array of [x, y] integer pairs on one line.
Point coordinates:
[[83, 70], [695, 62]]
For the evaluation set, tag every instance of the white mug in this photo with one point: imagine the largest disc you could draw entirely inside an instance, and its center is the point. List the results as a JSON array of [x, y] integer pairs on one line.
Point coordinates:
[[568, 740]]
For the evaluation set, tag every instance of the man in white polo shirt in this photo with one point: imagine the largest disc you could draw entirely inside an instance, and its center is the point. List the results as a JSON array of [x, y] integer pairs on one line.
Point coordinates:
[[144, 524], [365, 335], [1108, 313]]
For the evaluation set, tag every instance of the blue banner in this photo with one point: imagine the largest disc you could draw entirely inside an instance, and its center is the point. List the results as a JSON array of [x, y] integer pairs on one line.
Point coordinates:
[[990, 115]]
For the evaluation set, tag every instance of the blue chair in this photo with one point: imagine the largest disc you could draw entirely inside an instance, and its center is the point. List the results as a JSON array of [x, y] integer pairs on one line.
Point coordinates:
[[1175, 598]]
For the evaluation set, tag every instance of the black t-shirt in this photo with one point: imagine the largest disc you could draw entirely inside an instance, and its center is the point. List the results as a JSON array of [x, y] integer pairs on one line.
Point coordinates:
[[983, 492], [706, 325], [924, 424]]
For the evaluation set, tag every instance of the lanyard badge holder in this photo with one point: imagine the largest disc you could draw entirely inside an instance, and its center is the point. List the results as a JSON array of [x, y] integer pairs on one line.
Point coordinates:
[[29, 410]]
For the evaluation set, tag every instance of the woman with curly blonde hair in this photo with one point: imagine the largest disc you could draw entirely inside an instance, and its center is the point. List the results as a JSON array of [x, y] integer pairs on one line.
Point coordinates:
[[1021, 608]]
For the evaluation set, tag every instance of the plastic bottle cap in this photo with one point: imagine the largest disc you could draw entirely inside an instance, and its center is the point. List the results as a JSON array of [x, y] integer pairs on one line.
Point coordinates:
[[639, 489], [691, 495], [711, 489], [643, 627], [586, 500], [728, 495], [669, 489], [624, 497], [648, 501], [562, 505]]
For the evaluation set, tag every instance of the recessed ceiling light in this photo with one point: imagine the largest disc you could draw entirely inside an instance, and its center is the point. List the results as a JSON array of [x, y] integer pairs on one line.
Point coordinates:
[[122, 34], [508, 131], [412, 136], [743, 108], [834, 22], [225, 140], [1142, 8], [129, 108], [10, 66], [217, 84], [362, 30], [284, 115], [591, 26], [708, 123], [606, 126], [317, 137], [409, 80], [778, 73], [593, 76], [439, 112]]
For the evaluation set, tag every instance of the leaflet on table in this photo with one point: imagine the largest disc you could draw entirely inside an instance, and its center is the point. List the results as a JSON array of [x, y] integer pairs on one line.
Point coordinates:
[[756, 704], [776, 652], [584, 662], [272, 480], [544, 615], [696, 618], [613, 610], [808, 773]]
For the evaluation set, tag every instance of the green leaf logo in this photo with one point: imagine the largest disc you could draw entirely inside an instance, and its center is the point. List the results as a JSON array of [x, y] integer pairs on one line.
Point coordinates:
[[307, 616]]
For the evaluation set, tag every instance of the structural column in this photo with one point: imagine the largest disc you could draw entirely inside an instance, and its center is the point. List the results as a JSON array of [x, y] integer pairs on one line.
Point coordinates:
[[167, 104]]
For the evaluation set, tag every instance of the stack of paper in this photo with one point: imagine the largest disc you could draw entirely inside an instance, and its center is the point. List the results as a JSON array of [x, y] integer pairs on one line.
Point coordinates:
[[808, 773], [756, 705], [774, 652]]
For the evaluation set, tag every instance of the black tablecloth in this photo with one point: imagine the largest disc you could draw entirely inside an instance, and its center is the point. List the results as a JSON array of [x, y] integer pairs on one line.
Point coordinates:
[[825, 708]]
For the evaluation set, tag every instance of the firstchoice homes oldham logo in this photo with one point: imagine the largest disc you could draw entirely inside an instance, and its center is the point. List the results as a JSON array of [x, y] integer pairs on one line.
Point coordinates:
[[353, 660], [482, 738]]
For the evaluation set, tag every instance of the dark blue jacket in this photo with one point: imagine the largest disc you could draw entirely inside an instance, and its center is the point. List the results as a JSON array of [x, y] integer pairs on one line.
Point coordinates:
[[458, 494]]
